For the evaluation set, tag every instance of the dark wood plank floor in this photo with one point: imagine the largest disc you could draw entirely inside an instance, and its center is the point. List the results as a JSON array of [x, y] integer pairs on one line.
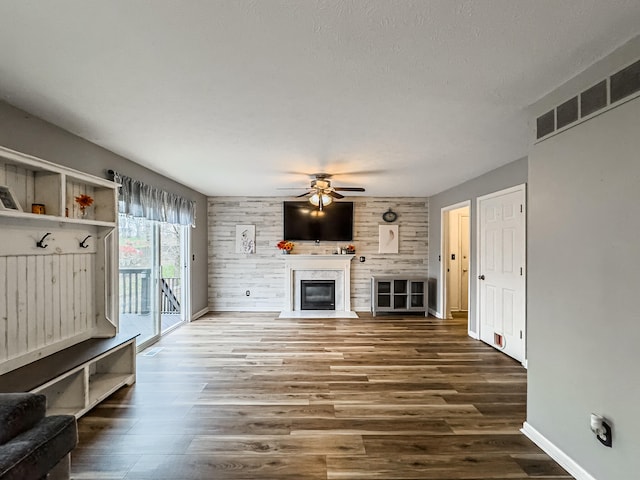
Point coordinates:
[[250, 396]]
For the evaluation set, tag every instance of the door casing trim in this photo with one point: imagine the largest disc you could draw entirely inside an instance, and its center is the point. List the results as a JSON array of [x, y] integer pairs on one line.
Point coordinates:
[[444, 237], [516, 188]]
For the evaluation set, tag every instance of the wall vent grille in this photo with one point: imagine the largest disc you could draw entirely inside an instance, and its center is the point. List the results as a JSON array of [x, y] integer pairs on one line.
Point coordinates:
[[625, 82], [567, 112], [546, 124], [617, 87], [593, 99]]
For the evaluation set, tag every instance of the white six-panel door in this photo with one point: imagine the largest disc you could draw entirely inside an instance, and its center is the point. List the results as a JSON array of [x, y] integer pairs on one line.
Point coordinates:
[[501, 270]]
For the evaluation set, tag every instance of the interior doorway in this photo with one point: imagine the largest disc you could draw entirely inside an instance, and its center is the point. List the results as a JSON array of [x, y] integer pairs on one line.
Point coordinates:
[[455, 260], [501, 270]]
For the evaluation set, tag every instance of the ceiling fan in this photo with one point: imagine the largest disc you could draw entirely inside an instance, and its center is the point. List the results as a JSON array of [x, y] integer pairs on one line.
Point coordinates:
[[321, 193]]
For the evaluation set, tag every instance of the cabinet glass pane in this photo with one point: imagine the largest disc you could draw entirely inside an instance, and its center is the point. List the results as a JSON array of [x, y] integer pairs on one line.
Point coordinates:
[[384, 287], [384, 300], [417, 287], [417, 301], [399, 301], [399, 286]]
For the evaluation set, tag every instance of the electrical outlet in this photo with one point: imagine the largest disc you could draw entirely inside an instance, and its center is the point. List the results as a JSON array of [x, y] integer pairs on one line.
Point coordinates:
[[248, 293]]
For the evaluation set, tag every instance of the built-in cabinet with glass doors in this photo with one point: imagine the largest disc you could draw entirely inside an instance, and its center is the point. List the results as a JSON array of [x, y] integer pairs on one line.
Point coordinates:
[[398, 294]]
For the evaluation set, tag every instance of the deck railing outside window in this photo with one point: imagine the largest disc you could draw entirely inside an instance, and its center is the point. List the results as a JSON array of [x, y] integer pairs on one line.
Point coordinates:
[[134, 292]]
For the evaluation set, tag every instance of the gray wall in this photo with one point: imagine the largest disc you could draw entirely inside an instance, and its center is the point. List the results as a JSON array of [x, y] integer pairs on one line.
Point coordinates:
[[584, 275], [26, 133], [231, 273], [514, 173]]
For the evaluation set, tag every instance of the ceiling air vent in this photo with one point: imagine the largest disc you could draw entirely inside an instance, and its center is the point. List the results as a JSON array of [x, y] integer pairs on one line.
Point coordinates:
[[625, 82], [567, 112], [593, 99]]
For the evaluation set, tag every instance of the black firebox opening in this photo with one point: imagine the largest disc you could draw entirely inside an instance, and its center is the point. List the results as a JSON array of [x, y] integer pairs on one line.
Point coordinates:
[[317, 294]]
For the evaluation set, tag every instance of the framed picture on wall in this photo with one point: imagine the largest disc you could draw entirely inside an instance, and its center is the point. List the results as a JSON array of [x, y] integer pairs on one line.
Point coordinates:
[[246, 239], [387, 238], [8, 199]]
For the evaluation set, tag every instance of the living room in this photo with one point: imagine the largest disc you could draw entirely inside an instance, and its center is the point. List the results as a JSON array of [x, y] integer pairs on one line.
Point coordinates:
[[580, 178]]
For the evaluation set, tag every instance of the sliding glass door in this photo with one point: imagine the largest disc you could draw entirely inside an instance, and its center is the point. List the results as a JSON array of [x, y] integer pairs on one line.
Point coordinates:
[[172, 285], [139, 273], [153, 290]]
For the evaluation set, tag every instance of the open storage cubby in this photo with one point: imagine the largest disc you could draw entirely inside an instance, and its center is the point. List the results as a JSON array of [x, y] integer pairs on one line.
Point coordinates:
[[108, 373], [398, 294], [65, 395], [31, 184], [103, 208], [36, 181]]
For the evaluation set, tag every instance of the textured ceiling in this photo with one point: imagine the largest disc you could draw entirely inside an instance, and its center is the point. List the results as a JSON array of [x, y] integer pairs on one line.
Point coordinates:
[[239, 97]]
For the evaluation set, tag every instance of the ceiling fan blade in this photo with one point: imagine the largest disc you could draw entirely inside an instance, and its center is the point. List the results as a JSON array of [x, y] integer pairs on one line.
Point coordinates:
[[303, 195], [344, 173], [334, 195], [349, 189]]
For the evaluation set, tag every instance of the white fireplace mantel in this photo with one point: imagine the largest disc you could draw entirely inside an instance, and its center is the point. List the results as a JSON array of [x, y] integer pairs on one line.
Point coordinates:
[[296, 265]]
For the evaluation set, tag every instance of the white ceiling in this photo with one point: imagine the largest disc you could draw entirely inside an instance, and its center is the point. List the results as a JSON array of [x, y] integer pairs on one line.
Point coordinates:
[[239, 97]]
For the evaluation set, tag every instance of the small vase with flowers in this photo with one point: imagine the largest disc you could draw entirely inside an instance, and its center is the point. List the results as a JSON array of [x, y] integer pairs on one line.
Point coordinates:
[[84, 201], [285, 246]]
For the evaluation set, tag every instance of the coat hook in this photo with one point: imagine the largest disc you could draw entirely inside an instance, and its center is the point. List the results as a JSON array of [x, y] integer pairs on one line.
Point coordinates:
[[83, 243], [40, 243]]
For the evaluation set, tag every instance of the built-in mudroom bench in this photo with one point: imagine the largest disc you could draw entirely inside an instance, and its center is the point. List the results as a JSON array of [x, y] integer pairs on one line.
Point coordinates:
[[58, 285], [76, 379]]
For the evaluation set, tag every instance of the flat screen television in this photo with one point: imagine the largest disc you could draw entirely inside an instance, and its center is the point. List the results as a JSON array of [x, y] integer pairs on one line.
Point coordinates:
[[303, 221]]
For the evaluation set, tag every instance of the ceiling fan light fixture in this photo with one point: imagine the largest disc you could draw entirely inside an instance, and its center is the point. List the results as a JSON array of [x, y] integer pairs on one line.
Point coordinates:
[[320, 184], [315, 199]]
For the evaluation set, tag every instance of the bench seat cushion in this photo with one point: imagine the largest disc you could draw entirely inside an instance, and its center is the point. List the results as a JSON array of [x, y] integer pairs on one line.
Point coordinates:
[[33, 453], [19, 412]]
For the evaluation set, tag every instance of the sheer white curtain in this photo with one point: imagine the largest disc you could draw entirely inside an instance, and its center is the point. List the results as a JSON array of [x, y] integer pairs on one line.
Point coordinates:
[[138, 199]]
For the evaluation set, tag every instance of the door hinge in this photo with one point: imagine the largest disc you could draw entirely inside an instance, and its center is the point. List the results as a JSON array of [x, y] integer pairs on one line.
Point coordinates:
[[520, 271], [520, 334], [520, 208]]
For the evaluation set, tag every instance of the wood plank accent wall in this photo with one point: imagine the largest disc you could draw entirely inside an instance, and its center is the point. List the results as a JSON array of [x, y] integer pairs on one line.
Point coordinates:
[[232, 274], [44, 299]]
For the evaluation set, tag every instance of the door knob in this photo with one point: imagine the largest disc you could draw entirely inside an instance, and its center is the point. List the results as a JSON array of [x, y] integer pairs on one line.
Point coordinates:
[[480, 277]]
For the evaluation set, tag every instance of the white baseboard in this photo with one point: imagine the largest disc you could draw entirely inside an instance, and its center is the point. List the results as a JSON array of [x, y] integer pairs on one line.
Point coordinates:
[[199, 314], [246, 309], [318, 314], [565, 461]]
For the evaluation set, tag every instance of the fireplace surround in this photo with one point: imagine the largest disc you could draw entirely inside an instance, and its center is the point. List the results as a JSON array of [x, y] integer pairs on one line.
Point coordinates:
[[317, 267]]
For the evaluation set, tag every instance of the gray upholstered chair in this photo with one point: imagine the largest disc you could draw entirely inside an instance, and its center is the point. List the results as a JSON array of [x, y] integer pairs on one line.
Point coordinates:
[[32, 445]]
